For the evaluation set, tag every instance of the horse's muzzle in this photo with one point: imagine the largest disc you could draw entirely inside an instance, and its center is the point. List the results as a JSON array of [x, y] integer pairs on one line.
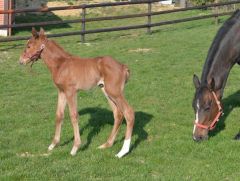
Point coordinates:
[[200, 138]]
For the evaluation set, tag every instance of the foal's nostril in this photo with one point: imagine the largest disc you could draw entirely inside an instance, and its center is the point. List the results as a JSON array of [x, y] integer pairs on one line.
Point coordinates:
[[20, 61]]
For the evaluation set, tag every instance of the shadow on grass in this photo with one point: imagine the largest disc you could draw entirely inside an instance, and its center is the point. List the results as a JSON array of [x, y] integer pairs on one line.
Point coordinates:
[[100, 117], [229, 103], [35, 18]]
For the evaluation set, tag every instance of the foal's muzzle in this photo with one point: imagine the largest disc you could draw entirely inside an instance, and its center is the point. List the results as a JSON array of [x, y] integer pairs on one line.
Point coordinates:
[[23, 61]]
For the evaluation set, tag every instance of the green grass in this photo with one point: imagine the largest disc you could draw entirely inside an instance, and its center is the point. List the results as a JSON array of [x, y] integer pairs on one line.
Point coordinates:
[[160, 90]]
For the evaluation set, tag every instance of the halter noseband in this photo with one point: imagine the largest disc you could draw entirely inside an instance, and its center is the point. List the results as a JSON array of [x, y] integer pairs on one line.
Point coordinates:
[[216, 119]]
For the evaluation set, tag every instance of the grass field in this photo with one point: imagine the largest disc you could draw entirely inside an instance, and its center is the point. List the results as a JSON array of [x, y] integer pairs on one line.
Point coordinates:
[[160, 90]]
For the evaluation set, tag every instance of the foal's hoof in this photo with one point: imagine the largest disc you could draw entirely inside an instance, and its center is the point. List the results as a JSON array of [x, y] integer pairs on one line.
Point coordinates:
[[105, 145], [74, 150], [237, 137], [122, 153], [50, 148]]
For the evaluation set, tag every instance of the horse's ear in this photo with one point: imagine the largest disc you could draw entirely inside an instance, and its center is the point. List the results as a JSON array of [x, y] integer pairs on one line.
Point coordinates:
[[34, 32], [212, 84], [196, 81], [42, 33]]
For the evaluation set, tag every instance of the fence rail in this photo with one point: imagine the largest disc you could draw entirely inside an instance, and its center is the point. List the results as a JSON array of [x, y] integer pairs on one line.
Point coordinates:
[[84, 20], [83, 6]]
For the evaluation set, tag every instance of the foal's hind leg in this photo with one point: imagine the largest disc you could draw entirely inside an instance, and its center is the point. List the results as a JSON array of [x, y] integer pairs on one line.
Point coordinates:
[[59, 119], [130, 118], [117, 97], [118, 117]]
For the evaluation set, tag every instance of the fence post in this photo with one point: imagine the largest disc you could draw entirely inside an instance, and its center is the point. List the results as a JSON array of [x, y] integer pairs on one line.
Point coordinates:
[[83, 24], [216, 11], [183, 3], [149, 17]]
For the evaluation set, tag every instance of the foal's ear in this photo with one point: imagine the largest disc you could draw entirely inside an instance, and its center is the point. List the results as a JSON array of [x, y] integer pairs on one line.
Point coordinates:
[[196, 81], [42, 33], [34, 32]]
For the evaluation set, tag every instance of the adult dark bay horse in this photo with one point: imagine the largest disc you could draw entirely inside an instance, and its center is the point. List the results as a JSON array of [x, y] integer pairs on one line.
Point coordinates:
[[70, 74], [223, 54]]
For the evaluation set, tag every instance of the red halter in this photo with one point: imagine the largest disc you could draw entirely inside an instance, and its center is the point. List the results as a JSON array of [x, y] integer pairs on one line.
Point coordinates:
[[33, 58], [36, 55], [216, 119]]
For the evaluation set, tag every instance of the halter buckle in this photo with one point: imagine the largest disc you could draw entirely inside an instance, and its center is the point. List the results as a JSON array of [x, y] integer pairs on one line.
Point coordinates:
[[42, 47]]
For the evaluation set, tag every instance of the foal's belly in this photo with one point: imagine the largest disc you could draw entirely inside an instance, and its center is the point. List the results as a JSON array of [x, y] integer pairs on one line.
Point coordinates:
[[81, 76], [87, 79], [86, 84], [76, 82]]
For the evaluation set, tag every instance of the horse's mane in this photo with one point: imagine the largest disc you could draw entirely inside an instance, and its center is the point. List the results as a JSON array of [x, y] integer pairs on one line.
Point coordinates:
[[222, 32]]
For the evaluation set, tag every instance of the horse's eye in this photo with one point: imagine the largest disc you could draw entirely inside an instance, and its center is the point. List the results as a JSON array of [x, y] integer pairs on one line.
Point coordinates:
[[207, 108]]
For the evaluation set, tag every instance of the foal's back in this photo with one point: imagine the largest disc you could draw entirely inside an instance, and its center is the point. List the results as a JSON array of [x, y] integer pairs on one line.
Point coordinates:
[[85, 73]]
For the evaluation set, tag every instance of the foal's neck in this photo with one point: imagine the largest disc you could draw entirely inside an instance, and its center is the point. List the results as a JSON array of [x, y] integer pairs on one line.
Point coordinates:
[[53, 55]]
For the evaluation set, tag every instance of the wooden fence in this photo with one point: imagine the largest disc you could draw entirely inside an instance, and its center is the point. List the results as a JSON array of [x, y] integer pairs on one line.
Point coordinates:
[[83, 20]]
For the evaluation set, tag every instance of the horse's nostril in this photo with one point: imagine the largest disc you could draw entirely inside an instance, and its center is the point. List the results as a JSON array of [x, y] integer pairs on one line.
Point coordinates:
[[198, 138], [195, 138]]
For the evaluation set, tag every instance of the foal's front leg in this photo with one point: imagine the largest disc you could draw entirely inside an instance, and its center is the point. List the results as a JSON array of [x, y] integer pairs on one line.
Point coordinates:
[[59, 119], [72, 103]]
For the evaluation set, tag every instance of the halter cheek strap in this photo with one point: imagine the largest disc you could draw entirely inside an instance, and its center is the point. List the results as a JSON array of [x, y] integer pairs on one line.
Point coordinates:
[[37, 54], [216, 119]]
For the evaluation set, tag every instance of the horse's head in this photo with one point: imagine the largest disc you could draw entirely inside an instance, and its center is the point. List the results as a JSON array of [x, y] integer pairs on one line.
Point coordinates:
[[34, 47], [207, 109]]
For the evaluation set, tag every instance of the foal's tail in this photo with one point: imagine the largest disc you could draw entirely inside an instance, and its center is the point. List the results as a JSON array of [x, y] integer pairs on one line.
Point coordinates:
[[126, 72]]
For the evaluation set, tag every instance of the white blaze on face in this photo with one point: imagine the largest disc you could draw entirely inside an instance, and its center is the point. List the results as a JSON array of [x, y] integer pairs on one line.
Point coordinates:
[[196, 121]]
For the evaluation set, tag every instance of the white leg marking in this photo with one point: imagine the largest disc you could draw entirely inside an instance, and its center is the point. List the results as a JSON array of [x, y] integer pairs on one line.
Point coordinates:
[[50, 148], [125, 148], [74, 150]]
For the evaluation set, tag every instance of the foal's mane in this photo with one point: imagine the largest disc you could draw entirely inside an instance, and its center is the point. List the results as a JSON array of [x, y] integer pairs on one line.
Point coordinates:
[[217, 41], [59, 51]]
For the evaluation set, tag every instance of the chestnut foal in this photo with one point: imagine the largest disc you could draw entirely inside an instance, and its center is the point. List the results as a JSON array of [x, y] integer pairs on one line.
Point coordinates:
[[70, 74]]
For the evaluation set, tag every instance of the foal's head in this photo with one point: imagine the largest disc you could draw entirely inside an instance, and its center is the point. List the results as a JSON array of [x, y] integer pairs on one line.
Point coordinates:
[[34, 47], [207, 109]]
